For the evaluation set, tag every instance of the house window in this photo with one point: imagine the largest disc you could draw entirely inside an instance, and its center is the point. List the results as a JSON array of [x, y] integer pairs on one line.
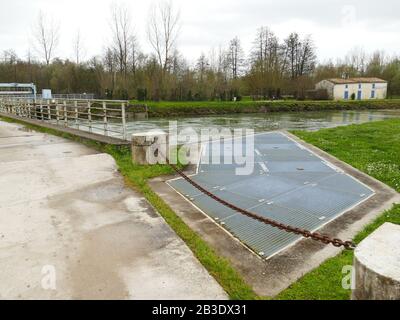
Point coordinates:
[[346, 86], [373, 86], [359, 86]]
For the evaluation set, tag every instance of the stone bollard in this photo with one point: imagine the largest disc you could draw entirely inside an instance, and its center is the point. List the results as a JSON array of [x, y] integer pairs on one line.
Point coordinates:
[[377, 265], [149, 147]]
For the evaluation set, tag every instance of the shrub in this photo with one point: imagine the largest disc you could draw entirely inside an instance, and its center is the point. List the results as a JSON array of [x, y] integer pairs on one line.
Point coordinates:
[[142, 94]]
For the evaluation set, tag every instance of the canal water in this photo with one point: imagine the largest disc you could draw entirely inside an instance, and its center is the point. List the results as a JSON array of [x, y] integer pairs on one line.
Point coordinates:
[[261, 122], [267, 121]]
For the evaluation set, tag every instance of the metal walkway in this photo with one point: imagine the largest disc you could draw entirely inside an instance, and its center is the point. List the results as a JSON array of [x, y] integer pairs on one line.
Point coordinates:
[[289, 184]]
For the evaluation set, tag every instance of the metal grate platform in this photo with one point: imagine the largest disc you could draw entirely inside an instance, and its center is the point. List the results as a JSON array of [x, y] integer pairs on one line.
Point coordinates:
[[289, 184]]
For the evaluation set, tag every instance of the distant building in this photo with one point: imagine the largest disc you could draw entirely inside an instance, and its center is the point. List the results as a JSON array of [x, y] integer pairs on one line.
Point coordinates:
[[359, 88], [18, 90]]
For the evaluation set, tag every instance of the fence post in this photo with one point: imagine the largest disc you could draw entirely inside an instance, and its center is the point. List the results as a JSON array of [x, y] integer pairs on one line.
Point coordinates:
[[123, 121], [41, 111], [48, 110], [90, 116], [76, 114], [65, 114], [57, 113], [105, 118]]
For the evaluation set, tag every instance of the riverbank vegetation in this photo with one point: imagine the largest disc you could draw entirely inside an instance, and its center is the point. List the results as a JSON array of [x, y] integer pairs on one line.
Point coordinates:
[[274, 68], [161, 109]]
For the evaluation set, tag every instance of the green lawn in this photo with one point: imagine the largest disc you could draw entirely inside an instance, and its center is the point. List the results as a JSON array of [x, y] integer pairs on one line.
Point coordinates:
[[375, 149]]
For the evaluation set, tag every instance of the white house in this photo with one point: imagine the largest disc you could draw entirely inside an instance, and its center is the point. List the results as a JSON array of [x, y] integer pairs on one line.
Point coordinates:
[[359, 88]]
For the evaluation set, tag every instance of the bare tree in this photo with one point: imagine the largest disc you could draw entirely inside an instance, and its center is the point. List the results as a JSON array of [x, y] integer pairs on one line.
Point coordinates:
[[163, 30], [78, 48], [376, 64], [202, 66], [265, 50], [122, 35], [291, 52], [299, 55], [307, 57], [213, 59], [357, 60], [266, 63], [134, 54], [235, 57], [9, 56], [109, 60], [223, 63], [47, 35]]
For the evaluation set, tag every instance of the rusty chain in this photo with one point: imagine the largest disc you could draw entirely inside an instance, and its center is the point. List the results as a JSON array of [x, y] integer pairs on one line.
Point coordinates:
[[349, 245]]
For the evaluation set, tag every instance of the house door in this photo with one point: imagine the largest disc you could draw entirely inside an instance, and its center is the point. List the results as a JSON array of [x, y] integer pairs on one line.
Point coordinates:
[[346, 95], [359, 95]]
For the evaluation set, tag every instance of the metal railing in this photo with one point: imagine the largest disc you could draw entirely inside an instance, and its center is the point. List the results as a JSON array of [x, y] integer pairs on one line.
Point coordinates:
[[106, 117], [70, 96]]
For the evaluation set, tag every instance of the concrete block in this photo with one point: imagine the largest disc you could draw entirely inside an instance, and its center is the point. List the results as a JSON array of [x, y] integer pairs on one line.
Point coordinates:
[[377, 265], [149, 147]]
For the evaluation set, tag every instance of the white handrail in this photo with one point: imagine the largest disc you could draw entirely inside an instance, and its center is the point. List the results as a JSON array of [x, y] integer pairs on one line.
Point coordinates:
[[107, 119]]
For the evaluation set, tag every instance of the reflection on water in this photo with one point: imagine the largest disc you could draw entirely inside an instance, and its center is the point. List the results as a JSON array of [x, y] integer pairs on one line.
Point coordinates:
[[268, 121]]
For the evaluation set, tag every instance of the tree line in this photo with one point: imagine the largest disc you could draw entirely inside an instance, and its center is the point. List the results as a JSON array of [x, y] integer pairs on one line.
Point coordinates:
[[273, 68]]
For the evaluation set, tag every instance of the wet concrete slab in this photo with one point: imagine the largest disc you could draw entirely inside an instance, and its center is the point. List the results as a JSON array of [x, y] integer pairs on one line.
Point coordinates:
[[65, 213]]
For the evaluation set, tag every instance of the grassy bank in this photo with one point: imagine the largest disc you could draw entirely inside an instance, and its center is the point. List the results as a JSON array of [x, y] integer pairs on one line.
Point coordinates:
[[161, 109], [374, 149], [136, 176]]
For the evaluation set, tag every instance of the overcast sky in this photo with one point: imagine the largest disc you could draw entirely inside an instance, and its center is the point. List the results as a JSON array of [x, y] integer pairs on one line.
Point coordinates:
[[335, 25]]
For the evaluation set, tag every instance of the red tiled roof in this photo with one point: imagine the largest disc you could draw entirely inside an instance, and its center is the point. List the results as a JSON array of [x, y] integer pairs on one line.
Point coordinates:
[[356, 80]]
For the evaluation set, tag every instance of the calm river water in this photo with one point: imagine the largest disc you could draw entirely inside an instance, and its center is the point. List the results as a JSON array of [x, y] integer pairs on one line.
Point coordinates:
[[268, 121]]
